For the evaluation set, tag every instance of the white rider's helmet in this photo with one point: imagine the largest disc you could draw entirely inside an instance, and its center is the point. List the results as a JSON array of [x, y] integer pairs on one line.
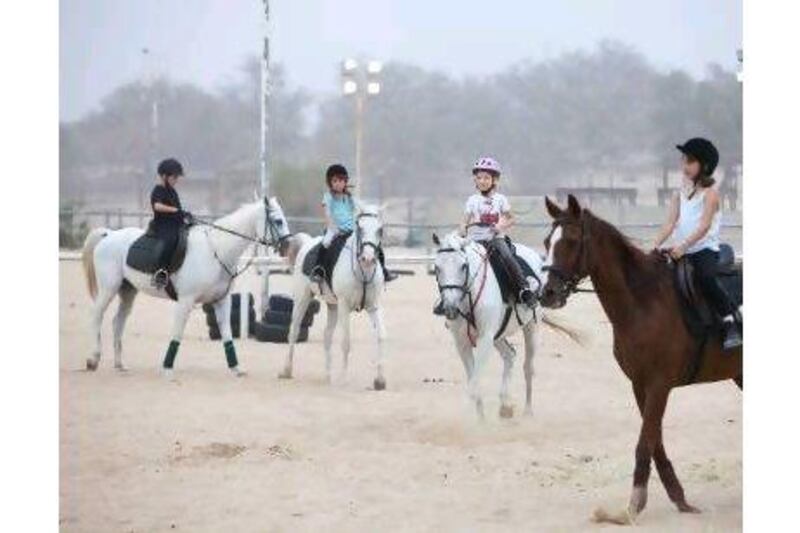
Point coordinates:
[[488, 164]]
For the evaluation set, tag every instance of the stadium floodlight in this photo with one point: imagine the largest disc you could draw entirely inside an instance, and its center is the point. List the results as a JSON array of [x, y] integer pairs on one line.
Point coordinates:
[[349, 65], [349, 87], [373, 88], [374, 67]]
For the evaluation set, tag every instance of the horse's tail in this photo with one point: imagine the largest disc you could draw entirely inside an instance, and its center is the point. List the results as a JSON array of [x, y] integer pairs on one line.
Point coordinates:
[[87, 257], [576, 336]]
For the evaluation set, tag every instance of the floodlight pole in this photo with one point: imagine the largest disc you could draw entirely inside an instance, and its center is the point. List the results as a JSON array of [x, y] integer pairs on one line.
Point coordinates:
[[359, 139]]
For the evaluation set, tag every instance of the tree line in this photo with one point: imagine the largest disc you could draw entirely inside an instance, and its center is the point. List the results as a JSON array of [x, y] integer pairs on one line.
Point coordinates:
[[584, 117]]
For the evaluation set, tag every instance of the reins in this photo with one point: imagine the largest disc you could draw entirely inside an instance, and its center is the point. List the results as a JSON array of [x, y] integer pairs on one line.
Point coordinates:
[[269, 227]]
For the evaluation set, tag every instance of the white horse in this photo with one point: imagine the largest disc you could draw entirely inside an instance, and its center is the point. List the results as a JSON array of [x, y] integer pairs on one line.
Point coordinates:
[[357, 285], [206, 276], [478, 318]]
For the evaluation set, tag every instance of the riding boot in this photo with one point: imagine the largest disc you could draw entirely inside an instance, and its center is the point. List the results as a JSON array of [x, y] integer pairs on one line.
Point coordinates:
[[518, 279], [388, 275], [318, 272]]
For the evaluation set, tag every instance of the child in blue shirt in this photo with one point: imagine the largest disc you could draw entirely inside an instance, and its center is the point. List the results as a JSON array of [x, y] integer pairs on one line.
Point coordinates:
[[339, 211]]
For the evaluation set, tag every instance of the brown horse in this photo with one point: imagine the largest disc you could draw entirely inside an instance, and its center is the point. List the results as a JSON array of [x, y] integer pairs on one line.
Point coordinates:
[[652, 344]]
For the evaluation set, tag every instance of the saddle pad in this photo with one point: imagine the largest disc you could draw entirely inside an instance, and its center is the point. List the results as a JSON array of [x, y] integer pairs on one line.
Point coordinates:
[[503, 278], [329, 259]]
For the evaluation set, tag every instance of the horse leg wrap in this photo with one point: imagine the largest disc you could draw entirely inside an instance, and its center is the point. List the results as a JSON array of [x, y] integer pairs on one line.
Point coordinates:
[[172, 351], [230, 354]]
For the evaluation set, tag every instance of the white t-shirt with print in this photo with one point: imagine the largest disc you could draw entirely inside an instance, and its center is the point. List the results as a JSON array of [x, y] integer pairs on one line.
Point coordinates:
[[486, 210]]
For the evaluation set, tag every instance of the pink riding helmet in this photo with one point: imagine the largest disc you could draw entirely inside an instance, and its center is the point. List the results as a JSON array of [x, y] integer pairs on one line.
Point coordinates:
[[486, 163]]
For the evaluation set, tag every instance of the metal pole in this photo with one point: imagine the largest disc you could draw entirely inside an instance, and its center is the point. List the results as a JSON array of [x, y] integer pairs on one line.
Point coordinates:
[[265, 92], [264, 156]]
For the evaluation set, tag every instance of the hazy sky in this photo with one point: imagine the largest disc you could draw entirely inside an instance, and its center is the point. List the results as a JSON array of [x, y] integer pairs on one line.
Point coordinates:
[[205, 41]]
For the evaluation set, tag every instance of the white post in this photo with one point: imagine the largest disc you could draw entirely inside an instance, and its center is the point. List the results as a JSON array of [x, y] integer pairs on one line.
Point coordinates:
[[264, 156]]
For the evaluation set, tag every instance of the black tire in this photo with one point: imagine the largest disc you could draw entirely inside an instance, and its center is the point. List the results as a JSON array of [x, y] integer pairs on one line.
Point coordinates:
[[280, 302], [278, 318], [274, 333]]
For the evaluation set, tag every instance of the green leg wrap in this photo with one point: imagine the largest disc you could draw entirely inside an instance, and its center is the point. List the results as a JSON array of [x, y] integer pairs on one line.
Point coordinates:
[[172, 351], [230, 354]]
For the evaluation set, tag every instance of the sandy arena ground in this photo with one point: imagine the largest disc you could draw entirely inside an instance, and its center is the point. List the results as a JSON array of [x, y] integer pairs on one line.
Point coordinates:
[[214, 453]]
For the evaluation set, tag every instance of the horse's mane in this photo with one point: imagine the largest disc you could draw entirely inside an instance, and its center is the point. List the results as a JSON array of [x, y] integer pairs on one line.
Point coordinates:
[[642, 270]]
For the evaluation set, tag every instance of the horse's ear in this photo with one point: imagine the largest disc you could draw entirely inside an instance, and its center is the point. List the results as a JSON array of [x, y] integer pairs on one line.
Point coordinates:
[[436, 240], [552, 208], [573, 206]]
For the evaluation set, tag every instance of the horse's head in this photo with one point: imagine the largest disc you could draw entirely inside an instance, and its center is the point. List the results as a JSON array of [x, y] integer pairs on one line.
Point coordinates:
[[452, 271], [271, 224], [565, 265], [369, 233]]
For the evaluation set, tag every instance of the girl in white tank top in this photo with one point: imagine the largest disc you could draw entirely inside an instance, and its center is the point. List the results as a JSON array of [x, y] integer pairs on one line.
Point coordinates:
[[693, 226], [690, 214]]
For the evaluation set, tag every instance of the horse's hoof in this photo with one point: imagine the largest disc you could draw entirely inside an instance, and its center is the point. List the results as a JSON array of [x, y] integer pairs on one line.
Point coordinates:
[[379, 383], [120, 368], [686, 508], [168, 374], [506, 411], [91, 365], [528, 410], [286, 374], [238, 372]]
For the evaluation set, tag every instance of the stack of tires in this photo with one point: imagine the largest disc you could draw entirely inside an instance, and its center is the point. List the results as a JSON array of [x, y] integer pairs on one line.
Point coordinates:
[[274, 325], [236, 302]]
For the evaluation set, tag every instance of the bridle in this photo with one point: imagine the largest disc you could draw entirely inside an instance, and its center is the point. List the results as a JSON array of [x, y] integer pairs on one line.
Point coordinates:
[[570, 282], [360, 246], [464, 288]]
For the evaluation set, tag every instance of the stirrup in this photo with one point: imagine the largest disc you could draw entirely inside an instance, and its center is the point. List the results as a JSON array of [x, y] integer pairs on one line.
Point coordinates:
[[317, 274], [528, 297], [160, 278], [733, 338]]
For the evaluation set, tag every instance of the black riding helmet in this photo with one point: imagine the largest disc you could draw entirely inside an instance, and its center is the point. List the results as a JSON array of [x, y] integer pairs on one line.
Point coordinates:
[[335, 170], [703, 151], [170, 167]]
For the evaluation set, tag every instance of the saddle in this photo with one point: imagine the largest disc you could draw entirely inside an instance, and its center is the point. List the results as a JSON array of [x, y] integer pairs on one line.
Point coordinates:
[[697, 314], [329, 259], [507, 289], [145, 253]]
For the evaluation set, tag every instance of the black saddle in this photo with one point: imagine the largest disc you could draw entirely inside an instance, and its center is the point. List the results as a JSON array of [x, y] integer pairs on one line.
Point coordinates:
[[145, 254], [697, 314], [329, 258], [507, 290]]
